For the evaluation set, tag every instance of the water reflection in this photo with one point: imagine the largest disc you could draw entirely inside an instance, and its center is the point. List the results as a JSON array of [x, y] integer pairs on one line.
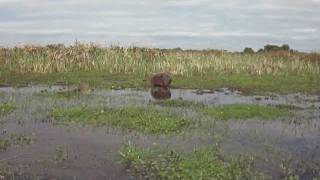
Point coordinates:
[[161, 93]]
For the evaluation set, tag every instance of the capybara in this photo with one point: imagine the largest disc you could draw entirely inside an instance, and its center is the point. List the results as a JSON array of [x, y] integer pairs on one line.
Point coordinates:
[[161, 80]]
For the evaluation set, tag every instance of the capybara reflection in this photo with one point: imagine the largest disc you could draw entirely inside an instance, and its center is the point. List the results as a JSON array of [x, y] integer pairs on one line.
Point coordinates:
[[161, 80], [161, 93]]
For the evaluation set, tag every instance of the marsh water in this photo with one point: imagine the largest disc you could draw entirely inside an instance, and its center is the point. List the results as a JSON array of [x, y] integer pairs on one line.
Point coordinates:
[[86, 152]]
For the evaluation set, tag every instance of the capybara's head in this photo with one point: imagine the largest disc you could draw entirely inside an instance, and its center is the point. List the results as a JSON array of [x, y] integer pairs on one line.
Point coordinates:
[[161, 80]]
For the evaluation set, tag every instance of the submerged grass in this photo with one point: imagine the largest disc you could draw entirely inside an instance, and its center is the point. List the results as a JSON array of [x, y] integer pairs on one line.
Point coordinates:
[[170, 164], [6, 108], [17, 140], [246, 111], [57, 95], [144, 120]]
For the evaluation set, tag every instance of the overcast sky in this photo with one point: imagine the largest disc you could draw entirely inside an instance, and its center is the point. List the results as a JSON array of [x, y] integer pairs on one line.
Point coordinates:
[[197, 24]]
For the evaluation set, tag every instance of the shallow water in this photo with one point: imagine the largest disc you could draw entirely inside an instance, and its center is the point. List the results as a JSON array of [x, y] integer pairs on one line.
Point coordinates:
[[75, 152]]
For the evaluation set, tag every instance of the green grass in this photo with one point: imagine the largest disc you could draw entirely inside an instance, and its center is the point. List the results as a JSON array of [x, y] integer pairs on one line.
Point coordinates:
[[6, 108], [252, 84], [246, 111], [144, 120], [179, 103], [169, 164]]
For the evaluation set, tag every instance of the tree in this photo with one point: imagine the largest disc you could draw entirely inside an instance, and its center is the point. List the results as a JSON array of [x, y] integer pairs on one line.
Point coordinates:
[[271, 47], [285, 47], [248, 51]]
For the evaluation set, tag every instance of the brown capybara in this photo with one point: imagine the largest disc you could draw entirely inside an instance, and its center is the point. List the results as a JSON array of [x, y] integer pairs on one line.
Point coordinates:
[[161, 80], [161, 93]]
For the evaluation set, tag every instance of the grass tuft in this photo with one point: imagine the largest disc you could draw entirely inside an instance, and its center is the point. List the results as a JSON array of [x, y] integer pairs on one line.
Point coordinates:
[[6, 108]]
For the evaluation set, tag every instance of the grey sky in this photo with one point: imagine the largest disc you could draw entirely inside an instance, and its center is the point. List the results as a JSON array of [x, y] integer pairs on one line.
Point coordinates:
[[220, 24]]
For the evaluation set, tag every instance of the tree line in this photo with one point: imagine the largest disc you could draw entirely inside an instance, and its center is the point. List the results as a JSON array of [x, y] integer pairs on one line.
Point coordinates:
[[268, 48]]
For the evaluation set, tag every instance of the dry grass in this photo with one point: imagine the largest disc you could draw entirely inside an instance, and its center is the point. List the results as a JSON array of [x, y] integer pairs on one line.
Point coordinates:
[[88, 57]]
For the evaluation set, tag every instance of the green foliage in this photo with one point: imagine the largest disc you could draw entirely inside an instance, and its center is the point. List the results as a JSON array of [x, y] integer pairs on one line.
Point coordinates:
[[169, 164], [246, 111], [6, 108], [248, 50], [144, 120]]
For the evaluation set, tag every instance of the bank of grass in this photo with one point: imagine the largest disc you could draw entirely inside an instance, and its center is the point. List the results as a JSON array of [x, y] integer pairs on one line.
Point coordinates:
[[246, 111], [149, 120], [117, 67], [169, 164], [6, 108]]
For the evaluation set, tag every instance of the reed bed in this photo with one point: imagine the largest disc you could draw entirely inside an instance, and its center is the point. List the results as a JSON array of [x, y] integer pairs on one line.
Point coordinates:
[[89, 57]]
